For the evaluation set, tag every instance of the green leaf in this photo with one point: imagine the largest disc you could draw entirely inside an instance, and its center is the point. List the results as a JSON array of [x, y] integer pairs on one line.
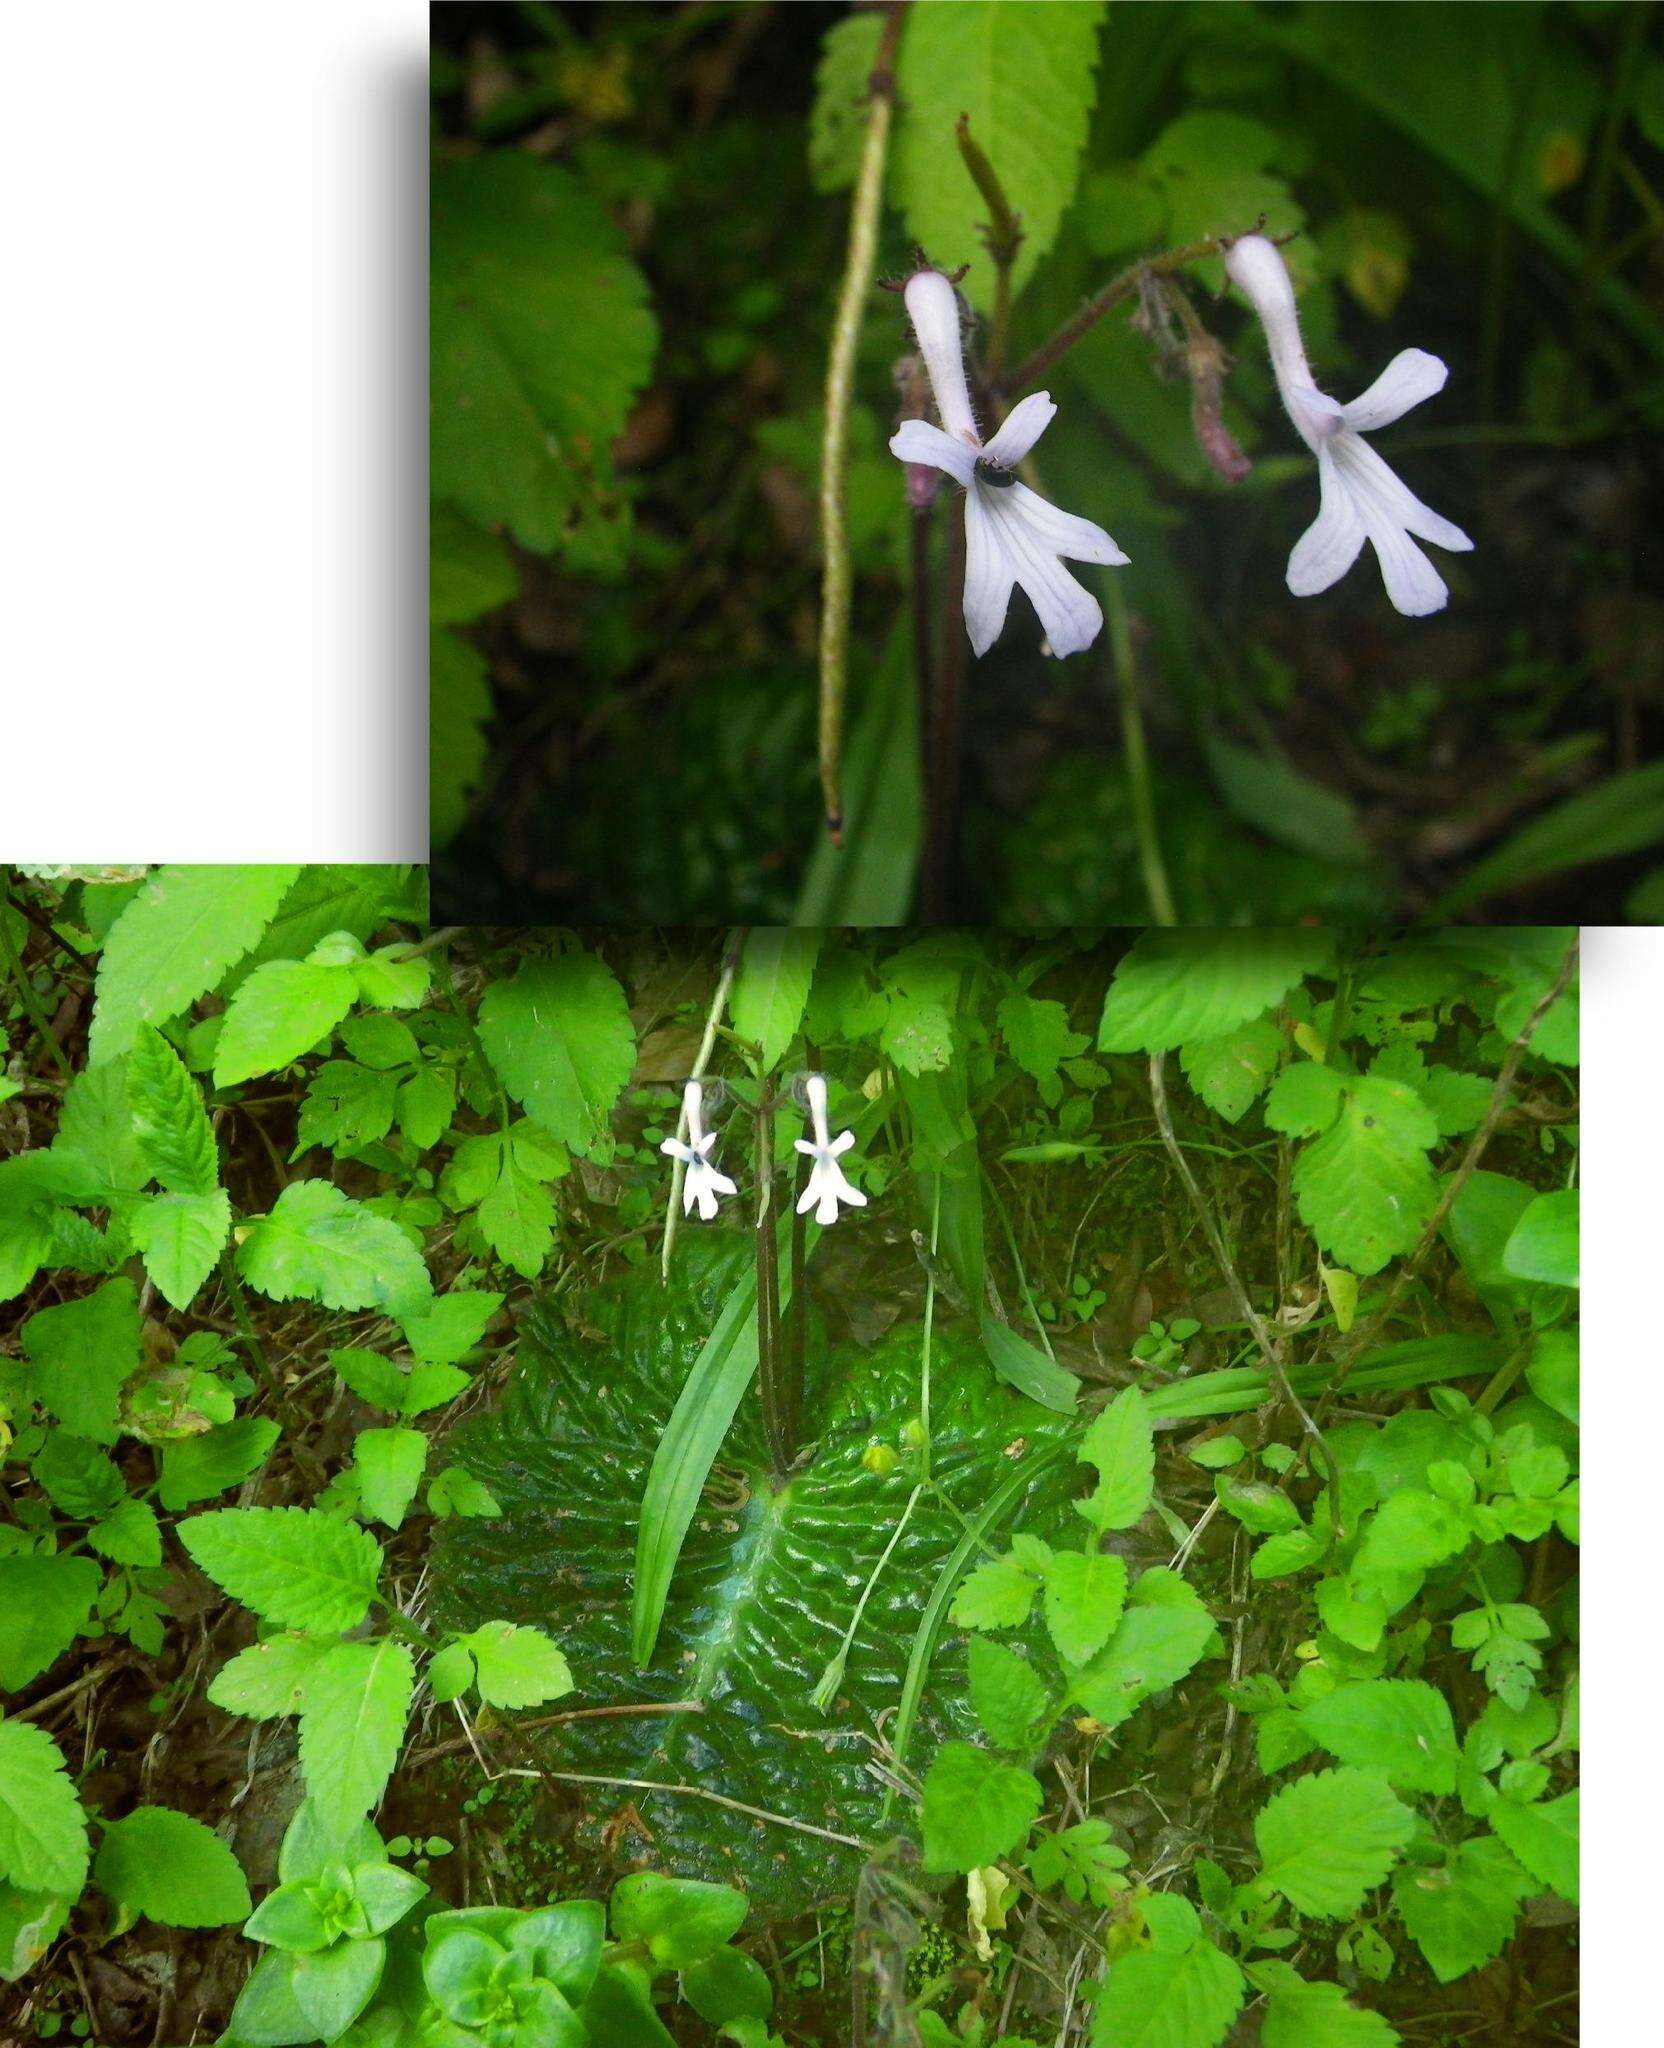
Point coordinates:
[[1302, 2015], [180, 1238], [1180, 1997], [1543, 1245], [1552, 1373], [516, 1666], [450, 1326], [174, 942], [1121, 1445], [450, 1672], [266, 2014], [96, 1122], [170, 1868], [1177, 985], [459, 706], [1400, 1726], [1327, 1840], [771, 989], [1085, 1593], [976, 1809], [83, 1352], [388, 1464], [1544, 1838], [1265, 790], [198, 1467], [333, 1986], [560, 1038], [1151, 1649], [44, 1603], [29, 1924], [76, 1476], [1008, 1695], [1462, 1914], [1083, 1860], [1411, 1531], [838, 119], [1228, 1072], [128, 1534], [281, 1011], [317, 1244], [1037, 1032], [1024, 76], [1305, 1099], [43, 1832], [1027, 1368], [268, 1679], [170, 1124], [296, 1566], [1365, 1189], [541, 337], [470, 573], [729, 1985], [995, 1595], [352, 1725], [1620, 815]]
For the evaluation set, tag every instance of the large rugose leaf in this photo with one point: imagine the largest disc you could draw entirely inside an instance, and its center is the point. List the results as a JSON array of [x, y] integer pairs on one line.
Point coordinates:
[[766, 1582]]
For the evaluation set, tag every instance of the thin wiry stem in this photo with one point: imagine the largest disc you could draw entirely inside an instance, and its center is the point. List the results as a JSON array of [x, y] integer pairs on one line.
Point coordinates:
[[1153, 868], [840, 381], [1033, 367], [702, 1059]]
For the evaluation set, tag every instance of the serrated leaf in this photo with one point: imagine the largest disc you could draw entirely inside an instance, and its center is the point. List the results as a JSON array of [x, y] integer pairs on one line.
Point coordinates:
[[560, 1038], [198, 1467], [174, 942], [82, 1353], [976, 1809], [172, 1869], [1177, 985], [515, 1666], [43, 1832], [998, 1594], [1462, 1914], [295, 1566], [180, 1238], [1121, 1444], [129, 1534], [1023, 74], [1400, 1726], [1544, 1838], [771, 988], [1327, 1840], [281, 1011], [96, 1122], [352, 1726], [1229, 1072], [170, 1125], [44, 1605], [838, 119], [1411, 1531], [1168, 1998], [1008, 1696], [1303, 2015], [268, 1679], [1365, 1189], [318, 1244], [388, 1465], [1151, 1649], [1085, 1593], [1036, 1031], [451, 1326], [1305, 1099], [541, 338]]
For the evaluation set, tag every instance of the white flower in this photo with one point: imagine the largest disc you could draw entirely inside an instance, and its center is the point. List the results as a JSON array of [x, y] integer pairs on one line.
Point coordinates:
[[827, 1186], [1011, 534], [702, 1183], [1360, 497]]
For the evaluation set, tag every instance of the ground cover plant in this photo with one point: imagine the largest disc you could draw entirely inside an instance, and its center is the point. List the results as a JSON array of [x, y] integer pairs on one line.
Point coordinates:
[[1352, 595], [1078, 1547]]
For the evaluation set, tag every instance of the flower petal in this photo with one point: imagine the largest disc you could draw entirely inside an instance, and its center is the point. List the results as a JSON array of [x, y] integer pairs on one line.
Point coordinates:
[[1068, 611], [1063, 532], [919, 441], [1329, 546], [933, 307], [1027, 421], [989, 571], [810, 1195], [1374, 482], [1411, 376], [1414, 585]]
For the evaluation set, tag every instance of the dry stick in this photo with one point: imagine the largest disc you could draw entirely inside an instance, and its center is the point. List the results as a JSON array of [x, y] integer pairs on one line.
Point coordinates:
[[1365, 1333], [840, 383], [627, 1710], [1122, 287], [702, 1059], [1250, 1315]]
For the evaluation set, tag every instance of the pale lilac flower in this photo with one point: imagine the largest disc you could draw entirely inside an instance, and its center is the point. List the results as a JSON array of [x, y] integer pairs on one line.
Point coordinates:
[[701, 1183], [1011, 534], [827, 1186], [1360, 497]]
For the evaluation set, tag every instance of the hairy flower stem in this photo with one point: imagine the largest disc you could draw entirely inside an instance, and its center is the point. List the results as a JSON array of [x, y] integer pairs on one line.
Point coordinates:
[[941, 846], [1033, 367], [840, 380], [1151, 864], [771, 1368], [1002, 235], [702, 1059]]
